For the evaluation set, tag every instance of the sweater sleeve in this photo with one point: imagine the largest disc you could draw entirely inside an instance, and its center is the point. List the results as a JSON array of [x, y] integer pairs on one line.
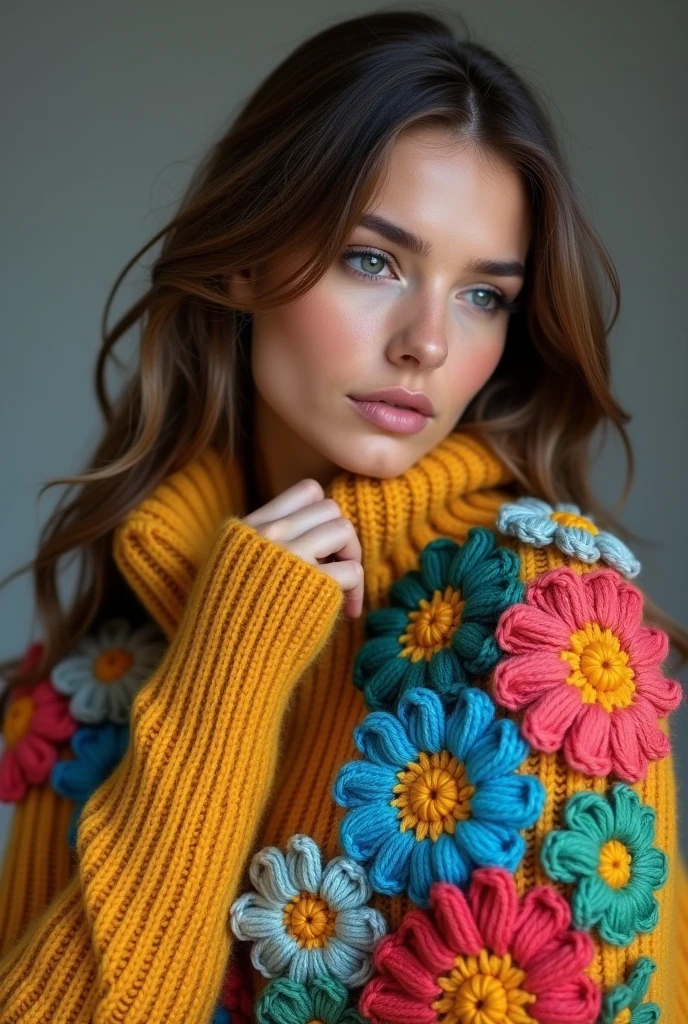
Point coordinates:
[[140, 932]]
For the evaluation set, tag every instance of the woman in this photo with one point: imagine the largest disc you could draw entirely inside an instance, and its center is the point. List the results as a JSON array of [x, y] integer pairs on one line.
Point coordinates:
[[354, 716]]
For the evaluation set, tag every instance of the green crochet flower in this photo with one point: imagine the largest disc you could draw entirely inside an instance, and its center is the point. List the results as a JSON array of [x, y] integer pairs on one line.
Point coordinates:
[[607, 851], [624, 1004], [438, 631], [288, 1002]]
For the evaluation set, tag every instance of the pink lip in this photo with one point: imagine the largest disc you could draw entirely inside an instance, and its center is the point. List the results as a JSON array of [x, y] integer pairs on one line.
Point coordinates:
[[400, 421], [398, 396]]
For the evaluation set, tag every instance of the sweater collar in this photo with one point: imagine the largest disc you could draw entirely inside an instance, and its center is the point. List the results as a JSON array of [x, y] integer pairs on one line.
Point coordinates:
[[452, 487]]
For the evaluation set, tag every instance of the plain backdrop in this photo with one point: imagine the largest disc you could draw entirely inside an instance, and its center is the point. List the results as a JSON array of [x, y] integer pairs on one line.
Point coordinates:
[[107, 108]]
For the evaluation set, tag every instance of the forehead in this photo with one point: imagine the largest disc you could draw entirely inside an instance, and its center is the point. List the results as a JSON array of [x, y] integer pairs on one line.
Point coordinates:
[[455, 195]]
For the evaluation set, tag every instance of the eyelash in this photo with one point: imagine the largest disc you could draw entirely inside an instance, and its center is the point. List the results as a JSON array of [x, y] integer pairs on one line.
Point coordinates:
[[511, 306]]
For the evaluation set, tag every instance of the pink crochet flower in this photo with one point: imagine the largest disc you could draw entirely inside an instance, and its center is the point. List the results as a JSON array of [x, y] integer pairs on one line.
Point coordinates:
[[587, 672], [235, 995], [37, 721], [484, 957]]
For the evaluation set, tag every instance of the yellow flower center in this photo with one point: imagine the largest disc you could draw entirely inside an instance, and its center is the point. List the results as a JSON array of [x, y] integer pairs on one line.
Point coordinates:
[[433, 795], [615, 864], [309, 920], [431, 626], [18, 719], [571, 519], [624, 1017], [600, 667], [486, 989], [112, 664]]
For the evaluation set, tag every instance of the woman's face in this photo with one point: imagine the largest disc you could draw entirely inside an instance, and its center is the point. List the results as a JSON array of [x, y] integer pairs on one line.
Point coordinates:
[[427, 321]]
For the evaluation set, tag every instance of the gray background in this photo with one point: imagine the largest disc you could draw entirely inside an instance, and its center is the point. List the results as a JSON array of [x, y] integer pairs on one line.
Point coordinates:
[[106, 109]]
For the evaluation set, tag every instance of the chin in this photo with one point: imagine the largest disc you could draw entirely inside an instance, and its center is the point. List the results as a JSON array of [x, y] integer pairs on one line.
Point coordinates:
[[384, 455]]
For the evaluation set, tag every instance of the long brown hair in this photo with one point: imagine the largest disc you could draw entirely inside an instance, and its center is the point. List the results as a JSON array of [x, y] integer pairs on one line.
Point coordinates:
[[292, 175]]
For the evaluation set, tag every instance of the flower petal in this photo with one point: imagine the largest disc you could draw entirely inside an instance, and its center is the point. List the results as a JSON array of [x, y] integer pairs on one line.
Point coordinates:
[[307, 964], [651, 867], [561, 594], [389, 872], [268, 873], [544, 914], [547, 721], [499, 751], [473, 714], [493, 901], [381, 738], [304, 862], [362, 927], [520, 680], [455, 920], [628, 760], [587, 742], [575, 1003], [363, 830], [489, 844], [348, 964], [254, 917], [448, 863], [421, 876], [345, 884], [590, 901], [384, 1002], [591, 814], [561, 961], [618, 554], [568, 856], [395, 956], [422, 717], [360, 782], [516, 799], [526, 629]]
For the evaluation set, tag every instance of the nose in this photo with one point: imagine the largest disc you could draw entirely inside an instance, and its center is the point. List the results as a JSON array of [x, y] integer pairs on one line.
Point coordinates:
[[421, 337]]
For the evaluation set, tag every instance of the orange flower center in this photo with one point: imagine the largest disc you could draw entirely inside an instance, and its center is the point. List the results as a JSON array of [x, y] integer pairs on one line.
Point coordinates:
[[486, 989], [433, 795], [309, 920], [112, 664], [624, 1017], [431, 626], [600, 667], [18, 719], [615, 864], [571, 519]]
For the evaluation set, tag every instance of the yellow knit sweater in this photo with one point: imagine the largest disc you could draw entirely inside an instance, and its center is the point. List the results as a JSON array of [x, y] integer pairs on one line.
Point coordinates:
[[235, 742]]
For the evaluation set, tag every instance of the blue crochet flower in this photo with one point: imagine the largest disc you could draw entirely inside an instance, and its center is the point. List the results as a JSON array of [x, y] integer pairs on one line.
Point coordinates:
[[439, 628], [536, 522], [436, 794], [97, 752], [307, 920]]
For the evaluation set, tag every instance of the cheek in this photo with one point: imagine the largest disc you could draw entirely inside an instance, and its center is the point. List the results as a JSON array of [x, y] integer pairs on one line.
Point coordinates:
[[475, 362]]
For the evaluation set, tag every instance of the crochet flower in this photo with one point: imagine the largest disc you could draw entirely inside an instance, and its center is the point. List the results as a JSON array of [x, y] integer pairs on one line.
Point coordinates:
[[288, 1002], [435, 795], [236, 998], [586, 672], [97, 752], [439, 629], [37, 721], [104, 673], [484, 958], [306, 922], [624, 1004], [536, 522], [607, 852]]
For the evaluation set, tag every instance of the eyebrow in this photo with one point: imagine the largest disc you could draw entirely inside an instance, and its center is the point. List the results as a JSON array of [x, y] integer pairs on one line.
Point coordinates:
[[419, 247]]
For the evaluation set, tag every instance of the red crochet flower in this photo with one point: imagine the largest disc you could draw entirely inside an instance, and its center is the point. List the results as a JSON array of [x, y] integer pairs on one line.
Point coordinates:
[[235, 995], [484, 957], [37, 720], [587, 671]]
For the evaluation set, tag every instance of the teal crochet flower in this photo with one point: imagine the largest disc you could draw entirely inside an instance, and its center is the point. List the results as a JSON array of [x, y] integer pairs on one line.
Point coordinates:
[[607, 852], [288, 1002], [438, 631], [305, 920], [436, 794], [536, 522], [624, 1004], [97, 752]]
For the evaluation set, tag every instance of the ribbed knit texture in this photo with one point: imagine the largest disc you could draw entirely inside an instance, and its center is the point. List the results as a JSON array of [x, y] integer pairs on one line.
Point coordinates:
[[139, 932]]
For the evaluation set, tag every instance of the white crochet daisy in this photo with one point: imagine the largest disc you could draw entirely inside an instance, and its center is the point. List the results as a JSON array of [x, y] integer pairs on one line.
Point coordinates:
[[104, 673]]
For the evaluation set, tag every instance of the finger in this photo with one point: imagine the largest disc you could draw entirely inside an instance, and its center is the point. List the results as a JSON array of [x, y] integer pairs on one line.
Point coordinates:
[[299, 495], [349, 575], [336, 537], [298, 523]]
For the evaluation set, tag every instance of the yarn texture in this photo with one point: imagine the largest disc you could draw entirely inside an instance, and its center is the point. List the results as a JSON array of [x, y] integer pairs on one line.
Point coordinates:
[[268, 725]]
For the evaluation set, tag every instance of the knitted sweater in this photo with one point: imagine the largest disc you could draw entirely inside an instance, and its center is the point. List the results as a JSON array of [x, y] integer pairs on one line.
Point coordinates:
[[458, 807]]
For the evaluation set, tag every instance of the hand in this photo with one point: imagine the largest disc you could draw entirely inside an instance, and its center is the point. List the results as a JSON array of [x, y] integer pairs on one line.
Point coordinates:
[[305, 522]]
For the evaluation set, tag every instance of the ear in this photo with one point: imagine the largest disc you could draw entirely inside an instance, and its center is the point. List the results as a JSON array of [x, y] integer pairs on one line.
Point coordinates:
[[240, 288]]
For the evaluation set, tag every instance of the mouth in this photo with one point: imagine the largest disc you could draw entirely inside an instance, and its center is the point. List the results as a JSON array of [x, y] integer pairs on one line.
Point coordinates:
[[399, 398]]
